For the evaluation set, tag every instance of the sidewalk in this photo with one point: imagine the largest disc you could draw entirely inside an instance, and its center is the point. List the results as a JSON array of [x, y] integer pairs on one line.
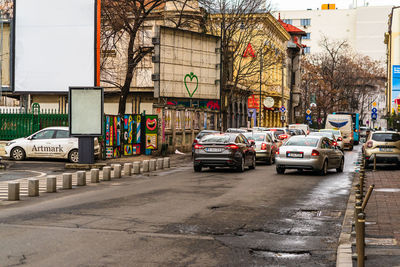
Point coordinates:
[[382, 228]]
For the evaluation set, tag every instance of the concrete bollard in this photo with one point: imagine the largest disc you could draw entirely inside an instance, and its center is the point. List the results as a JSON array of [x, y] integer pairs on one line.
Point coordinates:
[[117, 170], [106, 173], [152, 165], [160, 164], [136, 167], [51, 184], [33, 187], [67, 181], [146, 165], [167, 163], [94, 176], [128, 169], [81, 178], [13, 191]]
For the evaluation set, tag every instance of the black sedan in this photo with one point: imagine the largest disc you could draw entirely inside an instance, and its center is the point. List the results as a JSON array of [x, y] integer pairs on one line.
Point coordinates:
[[224, 150]]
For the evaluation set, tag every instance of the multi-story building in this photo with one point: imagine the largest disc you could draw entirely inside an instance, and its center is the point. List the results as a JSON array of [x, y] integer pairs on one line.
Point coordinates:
[[392, 40]]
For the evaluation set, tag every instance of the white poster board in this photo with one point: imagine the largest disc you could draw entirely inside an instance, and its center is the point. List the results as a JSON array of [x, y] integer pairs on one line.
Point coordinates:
[[86, 111], [55, 45]]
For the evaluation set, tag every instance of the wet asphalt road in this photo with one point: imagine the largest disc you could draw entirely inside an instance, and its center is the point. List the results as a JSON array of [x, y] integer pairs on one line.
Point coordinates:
[[182, 218]]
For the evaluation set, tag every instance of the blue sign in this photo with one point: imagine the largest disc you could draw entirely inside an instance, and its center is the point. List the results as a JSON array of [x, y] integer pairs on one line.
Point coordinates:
[[283, 109], [308, 117], [395, 83], [374, 116], [374, 110]]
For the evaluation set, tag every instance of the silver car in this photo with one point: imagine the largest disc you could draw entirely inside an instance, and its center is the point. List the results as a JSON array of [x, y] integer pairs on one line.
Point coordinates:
[[316, 153], [265, 147], [338, 137]]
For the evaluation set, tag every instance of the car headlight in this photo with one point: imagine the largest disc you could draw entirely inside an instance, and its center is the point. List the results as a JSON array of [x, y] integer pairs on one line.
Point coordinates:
[[10, 143]]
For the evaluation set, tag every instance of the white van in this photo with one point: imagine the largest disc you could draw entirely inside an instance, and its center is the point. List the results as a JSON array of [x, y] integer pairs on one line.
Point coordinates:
[[344, 123], [303, 127]]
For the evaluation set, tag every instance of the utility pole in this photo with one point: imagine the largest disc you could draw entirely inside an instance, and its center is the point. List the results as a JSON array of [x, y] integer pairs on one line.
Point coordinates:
[[261, 70], [283, 89]]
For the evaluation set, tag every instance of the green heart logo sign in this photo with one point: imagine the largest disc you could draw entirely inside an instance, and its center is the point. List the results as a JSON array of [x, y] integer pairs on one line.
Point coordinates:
[[191, 76]]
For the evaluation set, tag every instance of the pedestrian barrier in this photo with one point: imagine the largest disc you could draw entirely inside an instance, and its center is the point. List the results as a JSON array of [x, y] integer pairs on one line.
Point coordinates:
[[117, 171], [67, 181], [33, 187], [136, 167], [152, 165], [94, 176], [167, 162], [128, 169], [81, 178], [13, 191], [106, 173], [361, 202], [160, 164], [51, 184], [146, 164]]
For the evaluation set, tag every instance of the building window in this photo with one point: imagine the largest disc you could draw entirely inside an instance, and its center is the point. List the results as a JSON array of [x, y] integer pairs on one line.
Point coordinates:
[[288, 21], [305, 22], [307, 50], [308, 36]]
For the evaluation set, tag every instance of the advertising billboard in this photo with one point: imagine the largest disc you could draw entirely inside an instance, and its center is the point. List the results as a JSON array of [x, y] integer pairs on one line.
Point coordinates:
[[186, 64], [55, 45]]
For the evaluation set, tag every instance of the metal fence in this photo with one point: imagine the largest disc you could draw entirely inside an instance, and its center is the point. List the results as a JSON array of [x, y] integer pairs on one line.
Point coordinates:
[[20, 123]]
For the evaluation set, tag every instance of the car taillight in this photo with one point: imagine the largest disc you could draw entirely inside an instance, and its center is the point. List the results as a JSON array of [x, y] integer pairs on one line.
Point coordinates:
[[283, 136], [340, 139], [263, 146], [195, 141], [197, 146], [232, 147], [314, 153], [370, 144], [277, 151], [335, 143]]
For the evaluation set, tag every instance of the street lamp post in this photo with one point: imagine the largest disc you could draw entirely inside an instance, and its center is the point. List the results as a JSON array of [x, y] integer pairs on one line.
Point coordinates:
[[261, 70], [283, 88]]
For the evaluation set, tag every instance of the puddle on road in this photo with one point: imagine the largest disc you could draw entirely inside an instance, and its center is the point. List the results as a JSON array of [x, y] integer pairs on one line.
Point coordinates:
[[282, 255]]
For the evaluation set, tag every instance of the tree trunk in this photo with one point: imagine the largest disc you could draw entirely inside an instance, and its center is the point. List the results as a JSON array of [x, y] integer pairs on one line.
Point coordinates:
[[128, 77]]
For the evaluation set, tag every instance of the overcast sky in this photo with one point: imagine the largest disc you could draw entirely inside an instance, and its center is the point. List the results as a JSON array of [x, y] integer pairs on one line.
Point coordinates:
[[314, 4]]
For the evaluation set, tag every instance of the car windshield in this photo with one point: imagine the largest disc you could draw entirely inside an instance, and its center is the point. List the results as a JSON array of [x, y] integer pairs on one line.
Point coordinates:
[[324, 134], [313, 142], [386, 137], [216, 138], [255, 136]]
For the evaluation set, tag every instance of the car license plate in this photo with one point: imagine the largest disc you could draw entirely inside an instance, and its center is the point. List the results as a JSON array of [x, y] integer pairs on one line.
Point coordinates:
[[212, 149], [294, 155], [385, 149]]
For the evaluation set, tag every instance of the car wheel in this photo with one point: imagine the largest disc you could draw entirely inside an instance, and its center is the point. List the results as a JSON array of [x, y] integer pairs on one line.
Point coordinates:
[[74, 156], [280, 170], [17, 153], [324, 169], [351, 148], [197, 168], [340, 168], [253, 164], [240, 168], [270, 160]]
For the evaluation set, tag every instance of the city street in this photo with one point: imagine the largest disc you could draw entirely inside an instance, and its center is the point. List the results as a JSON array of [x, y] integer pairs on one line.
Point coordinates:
[[181, 218]]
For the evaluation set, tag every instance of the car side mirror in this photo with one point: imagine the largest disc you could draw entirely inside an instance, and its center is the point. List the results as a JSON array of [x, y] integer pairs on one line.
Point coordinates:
[[29, 138], [252, 143]]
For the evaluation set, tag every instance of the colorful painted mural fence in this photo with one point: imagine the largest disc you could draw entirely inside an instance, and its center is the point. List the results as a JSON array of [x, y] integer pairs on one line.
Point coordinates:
[[130, 134]]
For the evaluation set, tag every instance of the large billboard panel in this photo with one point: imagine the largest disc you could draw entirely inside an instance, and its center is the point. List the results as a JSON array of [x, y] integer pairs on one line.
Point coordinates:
[[187, 64], [55, 45]]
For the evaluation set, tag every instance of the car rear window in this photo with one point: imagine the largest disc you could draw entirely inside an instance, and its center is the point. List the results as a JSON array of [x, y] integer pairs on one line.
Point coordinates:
[[386, 137], [312, 142], [202, 134], [216, 138], [277, 132], [255, 137]]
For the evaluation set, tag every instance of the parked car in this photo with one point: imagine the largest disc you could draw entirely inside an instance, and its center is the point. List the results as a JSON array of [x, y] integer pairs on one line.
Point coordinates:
[[316, 153], [338, 137], [224, 150], [265, 147], [384, 145], [200, 135], [51, 142], [304, 127]]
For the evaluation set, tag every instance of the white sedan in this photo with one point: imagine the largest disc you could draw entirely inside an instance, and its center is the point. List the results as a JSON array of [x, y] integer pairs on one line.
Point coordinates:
[[51, 142]]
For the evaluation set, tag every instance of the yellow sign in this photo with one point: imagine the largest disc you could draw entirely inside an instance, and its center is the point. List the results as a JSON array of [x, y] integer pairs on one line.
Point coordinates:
[[374, 104], [308, 112]]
